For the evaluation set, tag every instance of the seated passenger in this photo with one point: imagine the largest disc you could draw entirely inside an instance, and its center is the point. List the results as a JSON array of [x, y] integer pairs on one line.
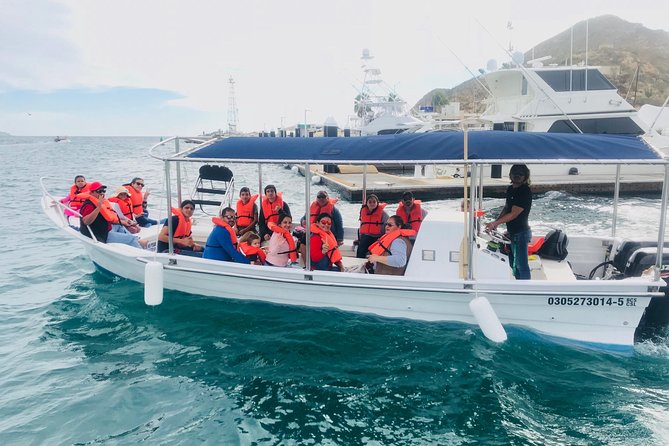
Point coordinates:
[[410, 211], [182, 239], [270, 207], [139, 198], [122, 205], [99, 218], [249, 245], [78, 193], [222, 242], [247, 211], [281, 251], [389, 255], [373, 219], [326, 205], [324, 249]]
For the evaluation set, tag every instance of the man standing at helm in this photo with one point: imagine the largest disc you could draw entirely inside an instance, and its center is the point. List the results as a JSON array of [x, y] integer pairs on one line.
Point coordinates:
[[515, 214]]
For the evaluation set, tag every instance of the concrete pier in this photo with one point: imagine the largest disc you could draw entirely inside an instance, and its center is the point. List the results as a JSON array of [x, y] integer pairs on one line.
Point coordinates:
[[391, 187]]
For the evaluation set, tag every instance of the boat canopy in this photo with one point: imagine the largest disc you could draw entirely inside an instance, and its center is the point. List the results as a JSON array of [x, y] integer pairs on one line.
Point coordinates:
[[436, 147]]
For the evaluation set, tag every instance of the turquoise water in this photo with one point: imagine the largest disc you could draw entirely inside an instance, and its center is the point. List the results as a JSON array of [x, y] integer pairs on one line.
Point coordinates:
[[84, 361]]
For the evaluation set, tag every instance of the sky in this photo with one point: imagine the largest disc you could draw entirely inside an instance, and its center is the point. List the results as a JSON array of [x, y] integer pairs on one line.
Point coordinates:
[[161, 67]]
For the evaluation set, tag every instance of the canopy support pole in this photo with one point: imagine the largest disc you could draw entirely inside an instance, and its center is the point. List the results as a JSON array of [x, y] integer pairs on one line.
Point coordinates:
[[178, 164], [260, 187], [307, 223], [364, 184], [471, 224], [168, 187], [616, 195], [663, 221]]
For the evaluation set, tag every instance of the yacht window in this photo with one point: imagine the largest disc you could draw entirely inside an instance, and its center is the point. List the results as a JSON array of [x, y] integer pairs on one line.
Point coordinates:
[[558, 80], [523, 87], [613, 126]]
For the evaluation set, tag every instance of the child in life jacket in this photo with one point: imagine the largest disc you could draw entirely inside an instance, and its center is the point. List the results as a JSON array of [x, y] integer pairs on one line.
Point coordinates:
[[249, 245], [78, 194]]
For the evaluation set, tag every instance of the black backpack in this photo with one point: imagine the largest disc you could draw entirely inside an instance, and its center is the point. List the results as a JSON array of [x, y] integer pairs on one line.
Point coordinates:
[[555, 246]]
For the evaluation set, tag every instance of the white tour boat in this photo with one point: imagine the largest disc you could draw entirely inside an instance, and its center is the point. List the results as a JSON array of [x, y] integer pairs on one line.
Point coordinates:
[[604, 293]]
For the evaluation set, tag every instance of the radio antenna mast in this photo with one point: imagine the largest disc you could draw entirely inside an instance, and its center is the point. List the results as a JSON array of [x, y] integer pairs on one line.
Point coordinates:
[[232, 107]]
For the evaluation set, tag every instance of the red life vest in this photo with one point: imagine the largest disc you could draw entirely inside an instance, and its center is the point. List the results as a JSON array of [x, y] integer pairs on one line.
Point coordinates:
[[218, 221], [370, 222], [382, 245], [271, 210], [250, 251], [124, 205], [315, 209], [415, 218], [106, 210], [136, 198], [77, 196], [292, 251], [333, 253], [245, 213], [184, 227]]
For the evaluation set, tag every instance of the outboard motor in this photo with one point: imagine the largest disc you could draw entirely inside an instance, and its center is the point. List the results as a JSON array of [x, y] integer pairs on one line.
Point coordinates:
[[632, 259]]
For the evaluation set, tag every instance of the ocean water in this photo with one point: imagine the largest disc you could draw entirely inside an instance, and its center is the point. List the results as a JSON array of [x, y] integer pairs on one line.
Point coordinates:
[[84, 361]]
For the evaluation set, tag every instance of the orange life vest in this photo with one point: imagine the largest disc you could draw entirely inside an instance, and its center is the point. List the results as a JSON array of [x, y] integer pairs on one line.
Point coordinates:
[[250, 251], [415, 218], [183, 229], [218, 221], [106, 210], [292, 251], [137, 198], [370, 222], [271, 210], [315, 209], [245, 212], [382, 245], [333, 253], [78, 196], [124, 205]]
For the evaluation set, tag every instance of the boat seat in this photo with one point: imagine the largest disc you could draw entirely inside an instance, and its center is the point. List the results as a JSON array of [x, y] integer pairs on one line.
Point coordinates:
[[214, 187]]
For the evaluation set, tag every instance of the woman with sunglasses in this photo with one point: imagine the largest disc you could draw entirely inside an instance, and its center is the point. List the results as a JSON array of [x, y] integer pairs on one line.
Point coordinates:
[[139, 198], [324, 251], [389, 255], [515, 214]]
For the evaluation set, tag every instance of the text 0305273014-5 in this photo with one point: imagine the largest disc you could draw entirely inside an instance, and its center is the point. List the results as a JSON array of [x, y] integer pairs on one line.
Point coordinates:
[[594, 301]]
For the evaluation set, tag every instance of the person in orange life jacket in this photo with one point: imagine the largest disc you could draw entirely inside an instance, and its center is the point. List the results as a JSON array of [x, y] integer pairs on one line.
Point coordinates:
[[247, 212], [270, 207], [182, 239], [373, 219], [98, 217], [121, 204], [281, 250], [326, 205], [77, 191], [515, 214], [324, 250], [389, 255], [411, 211], [222, 242], [249, 245], [139, 198]]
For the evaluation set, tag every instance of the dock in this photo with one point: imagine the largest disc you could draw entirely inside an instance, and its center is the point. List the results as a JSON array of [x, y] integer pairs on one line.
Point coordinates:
[[390, 187]]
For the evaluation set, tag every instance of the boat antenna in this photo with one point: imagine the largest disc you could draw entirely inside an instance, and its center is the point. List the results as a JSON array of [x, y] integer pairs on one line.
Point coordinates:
[[474, 76], [525, 71]]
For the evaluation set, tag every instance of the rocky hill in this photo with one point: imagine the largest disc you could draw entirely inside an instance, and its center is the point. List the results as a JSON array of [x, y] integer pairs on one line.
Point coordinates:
[[621, 46]]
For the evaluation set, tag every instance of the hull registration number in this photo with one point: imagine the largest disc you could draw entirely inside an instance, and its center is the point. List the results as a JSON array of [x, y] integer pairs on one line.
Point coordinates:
[[593, 301]]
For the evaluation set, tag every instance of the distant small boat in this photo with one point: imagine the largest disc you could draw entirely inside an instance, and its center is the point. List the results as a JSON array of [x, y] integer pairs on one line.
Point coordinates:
[[61, 139]]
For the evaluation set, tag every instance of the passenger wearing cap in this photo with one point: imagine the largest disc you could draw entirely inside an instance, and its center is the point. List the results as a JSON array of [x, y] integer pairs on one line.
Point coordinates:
[[410, 211], [271, 206], [98, 218], [122, 205], [326, 205], [182, 237], [515, 215]]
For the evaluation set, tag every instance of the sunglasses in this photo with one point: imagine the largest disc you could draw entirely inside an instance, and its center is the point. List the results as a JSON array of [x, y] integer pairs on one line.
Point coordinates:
[[389, 225], [100, 191], [140, 184], [326, 222], [231, 217]]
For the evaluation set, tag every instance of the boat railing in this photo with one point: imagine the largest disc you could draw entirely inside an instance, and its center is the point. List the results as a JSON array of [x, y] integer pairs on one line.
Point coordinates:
[[62, 207]]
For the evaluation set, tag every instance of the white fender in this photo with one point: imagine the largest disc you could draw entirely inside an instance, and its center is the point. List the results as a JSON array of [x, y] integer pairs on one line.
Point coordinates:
[[153, 283], [316, 179], [294, 169], [487, 319]]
